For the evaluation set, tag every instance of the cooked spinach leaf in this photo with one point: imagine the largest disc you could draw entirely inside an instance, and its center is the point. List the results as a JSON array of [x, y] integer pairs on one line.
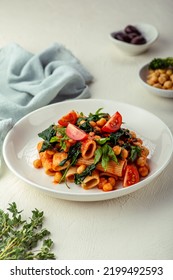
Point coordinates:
[[135, 152], [48, 133], [51, 139], [87, 172], [73, 154], [121, 134]]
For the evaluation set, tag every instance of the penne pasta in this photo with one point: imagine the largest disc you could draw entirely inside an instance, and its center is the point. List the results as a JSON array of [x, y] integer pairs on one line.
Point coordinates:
[[57, 159], [47, 165], [71, 173], [112, 167], [88, 149], [91, 181]]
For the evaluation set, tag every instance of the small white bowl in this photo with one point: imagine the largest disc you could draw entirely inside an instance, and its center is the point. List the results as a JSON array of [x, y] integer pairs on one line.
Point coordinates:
[[148, 31], [168, 93]]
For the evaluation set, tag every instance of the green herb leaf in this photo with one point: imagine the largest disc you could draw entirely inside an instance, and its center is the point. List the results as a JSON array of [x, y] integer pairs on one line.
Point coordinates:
[[104, 154], [111, 154], [21, 239], [134, 153], [103, 140], [98, 155], [73, 154], [48, 133], [98, 115], [105, 157], [161, 63]]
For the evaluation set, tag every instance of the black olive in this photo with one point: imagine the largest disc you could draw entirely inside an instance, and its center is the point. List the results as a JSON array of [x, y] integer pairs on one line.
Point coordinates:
[[132, 29], [139, 40], [122, 37]]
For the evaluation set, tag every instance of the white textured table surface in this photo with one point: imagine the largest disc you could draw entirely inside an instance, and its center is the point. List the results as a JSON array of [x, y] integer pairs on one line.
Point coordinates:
[[136, 226]]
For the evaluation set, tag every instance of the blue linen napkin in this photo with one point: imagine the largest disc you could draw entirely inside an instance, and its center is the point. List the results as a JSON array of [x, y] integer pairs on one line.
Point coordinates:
[[29, 81]]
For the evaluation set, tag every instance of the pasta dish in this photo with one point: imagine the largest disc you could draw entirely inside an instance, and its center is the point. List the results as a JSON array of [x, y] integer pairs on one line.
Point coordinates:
[[92, 151]]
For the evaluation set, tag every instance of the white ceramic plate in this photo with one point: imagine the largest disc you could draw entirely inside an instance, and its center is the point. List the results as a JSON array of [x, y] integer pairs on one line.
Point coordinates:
[[19, 149]]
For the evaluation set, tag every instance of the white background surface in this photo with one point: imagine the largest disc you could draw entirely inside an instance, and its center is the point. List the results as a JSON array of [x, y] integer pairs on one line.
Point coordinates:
[[136, 226]]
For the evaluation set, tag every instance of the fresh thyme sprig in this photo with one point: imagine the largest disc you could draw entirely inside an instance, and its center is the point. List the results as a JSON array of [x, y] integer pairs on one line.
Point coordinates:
[[21, 239]]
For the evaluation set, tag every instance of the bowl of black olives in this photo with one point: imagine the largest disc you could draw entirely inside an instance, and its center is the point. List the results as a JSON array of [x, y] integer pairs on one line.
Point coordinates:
[[135, 39]]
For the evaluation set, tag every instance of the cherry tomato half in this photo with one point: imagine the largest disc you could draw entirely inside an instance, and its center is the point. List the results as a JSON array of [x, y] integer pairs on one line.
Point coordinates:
[[71, 117], [113, 124], [75, 133], [131, 176]]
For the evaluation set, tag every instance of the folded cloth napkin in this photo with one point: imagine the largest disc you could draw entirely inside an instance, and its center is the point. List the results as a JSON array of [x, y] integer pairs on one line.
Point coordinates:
[[29, 81]]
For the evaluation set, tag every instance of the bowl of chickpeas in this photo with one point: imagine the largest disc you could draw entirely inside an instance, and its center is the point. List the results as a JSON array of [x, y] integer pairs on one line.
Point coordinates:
[[158, 81]]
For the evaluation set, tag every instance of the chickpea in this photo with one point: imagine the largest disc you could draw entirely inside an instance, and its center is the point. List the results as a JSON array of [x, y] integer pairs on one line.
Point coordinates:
[[124, 153], [81, 168], [120, 142], [91, 134], [163, 78], [107, 187], [57, 177], [169, 72], [112, 181], [71, 141], [82, 121], [157, 72], [101, 122], [144, 151], [97, 137], [139, 140], [39, 145], [143, 171], [117, 150], [141, 161], [92, 123], [150, 82], [153, 79], [50, 172], [157, 85], [137, 143], [37, 163], [168, 84], [100, 186], [97, 129], [102, 182], [50, 152], [171, 77], [133, 134], [161, 71], [150, 71]]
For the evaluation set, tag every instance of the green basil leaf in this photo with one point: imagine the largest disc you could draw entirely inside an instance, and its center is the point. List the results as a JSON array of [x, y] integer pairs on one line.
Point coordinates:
[[98, 155]]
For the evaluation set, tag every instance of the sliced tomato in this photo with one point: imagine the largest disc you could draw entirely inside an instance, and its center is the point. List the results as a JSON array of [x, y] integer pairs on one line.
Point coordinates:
[[113, 124], [75, 133], [131, 176], [71, 117]]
